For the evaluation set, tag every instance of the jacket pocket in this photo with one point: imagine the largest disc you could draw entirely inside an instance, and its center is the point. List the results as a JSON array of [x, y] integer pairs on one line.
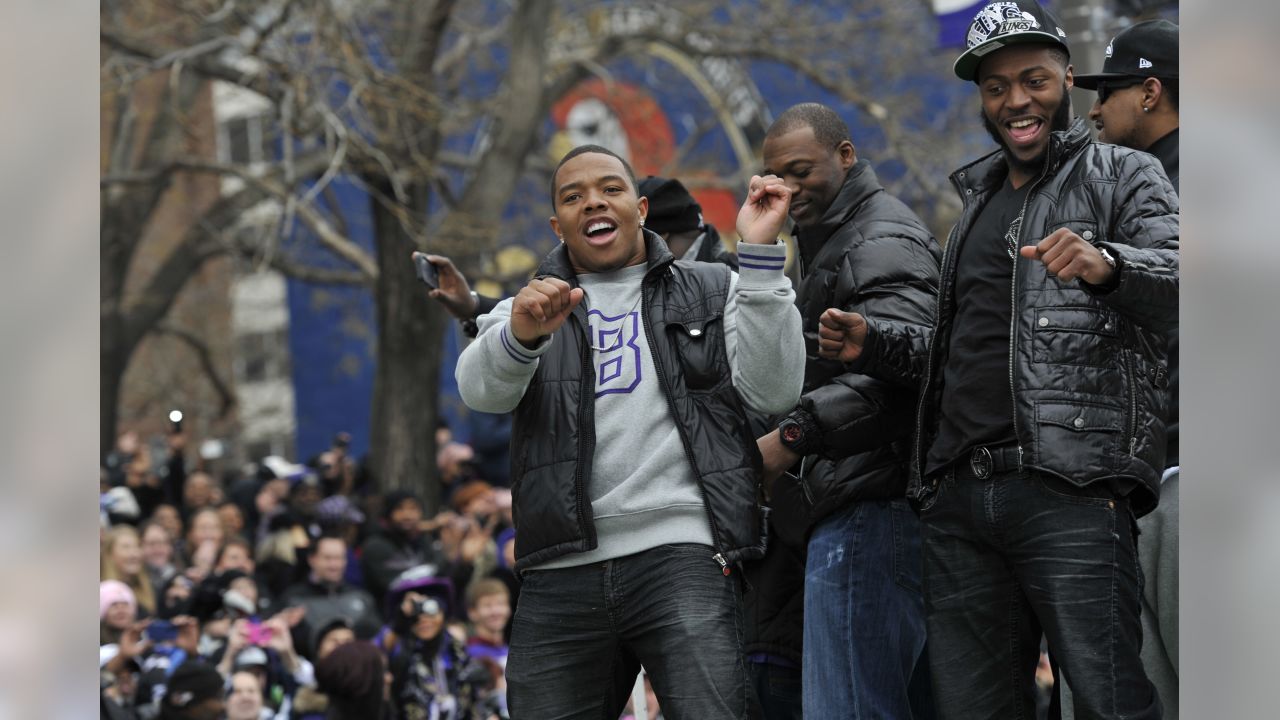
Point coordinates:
[[1077, 440], [699, 343], [1081, 335]]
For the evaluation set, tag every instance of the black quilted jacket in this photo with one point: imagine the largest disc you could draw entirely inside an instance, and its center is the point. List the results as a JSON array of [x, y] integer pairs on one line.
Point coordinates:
[[1088, 365], [868, 254]]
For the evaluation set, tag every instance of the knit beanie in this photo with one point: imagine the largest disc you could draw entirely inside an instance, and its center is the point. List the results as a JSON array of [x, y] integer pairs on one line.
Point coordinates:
[[111, 592], [671, 208]]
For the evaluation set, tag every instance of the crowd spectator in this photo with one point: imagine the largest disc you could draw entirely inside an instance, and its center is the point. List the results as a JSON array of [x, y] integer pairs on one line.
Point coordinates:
[[326, 595], [352, 676], [122, 560], [245, 701], [432, 674], [117, 610], [400, 544], [157, 553], [194, 692], [281, 553], [311, 703]]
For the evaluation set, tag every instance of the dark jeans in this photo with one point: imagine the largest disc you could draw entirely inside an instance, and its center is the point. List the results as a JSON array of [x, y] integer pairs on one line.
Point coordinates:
[[864, 626], [1017, 555], [581, 634], [778, 689]]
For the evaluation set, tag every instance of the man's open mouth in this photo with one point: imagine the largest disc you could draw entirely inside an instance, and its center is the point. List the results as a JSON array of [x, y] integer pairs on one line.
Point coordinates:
[[1024, 130], [599, 232]]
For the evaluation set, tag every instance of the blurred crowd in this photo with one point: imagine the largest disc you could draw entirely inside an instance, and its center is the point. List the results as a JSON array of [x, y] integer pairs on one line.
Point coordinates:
[[302, 591]]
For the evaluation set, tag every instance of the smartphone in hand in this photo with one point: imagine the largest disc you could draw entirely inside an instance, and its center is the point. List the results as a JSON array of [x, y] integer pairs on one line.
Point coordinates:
[[427, 273]]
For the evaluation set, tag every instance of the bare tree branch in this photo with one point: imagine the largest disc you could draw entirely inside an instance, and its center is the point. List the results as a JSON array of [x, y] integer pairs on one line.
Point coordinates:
[[201, 349]]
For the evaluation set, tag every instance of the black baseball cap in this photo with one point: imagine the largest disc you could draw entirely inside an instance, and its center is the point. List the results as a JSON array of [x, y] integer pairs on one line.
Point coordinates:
[[1146, 49], [1009, 22]]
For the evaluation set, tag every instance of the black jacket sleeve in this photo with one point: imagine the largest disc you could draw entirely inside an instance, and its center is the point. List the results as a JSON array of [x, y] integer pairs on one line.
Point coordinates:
[[891, 279], [1144, 242]]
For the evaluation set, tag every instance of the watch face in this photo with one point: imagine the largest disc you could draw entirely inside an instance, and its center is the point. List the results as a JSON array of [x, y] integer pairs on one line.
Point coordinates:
[[790, 432]]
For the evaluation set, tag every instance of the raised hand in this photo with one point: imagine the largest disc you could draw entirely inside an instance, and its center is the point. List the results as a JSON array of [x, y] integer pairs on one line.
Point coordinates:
[[540, 309], [765, 210], [841, 335], [454, 291], [1068, 256]]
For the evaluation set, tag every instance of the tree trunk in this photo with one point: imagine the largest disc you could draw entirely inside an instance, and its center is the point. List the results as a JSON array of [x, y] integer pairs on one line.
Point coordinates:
[[110, 377], [402, 444]]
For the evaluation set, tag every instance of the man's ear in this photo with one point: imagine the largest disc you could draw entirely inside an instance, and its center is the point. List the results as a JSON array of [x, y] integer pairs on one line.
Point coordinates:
[[1152, 91], [1071, 76], [643, 207], [848, 154], [555, 227]]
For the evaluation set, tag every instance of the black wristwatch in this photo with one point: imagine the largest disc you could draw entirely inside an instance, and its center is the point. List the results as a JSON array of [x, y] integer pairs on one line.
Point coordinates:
[[797, 432]]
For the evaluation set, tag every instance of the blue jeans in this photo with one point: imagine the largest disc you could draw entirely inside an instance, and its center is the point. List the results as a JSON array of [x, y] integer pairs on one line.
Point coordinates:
[[581, 634], [864, 625], [1013, 556]]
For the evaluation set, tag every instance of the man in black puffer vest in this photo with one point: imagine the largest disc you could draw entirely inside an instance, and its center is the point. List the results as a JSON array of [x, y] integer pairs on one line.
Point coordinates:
[[635, 477], [863, 250], [1044, 391]]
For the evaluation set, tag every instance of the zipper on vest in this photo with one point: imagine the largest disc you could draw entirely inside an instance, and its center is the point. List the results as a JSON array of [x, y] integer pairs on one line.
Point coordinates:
[[586, 438], [684, 438]]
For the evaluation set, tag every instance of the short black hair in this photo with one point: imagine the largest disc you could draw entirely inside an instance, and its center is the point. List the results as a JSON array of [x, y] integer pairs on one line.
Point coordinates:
[[827, 126], [583, 150], [1060, 54], [1170, 90], [314, 547]]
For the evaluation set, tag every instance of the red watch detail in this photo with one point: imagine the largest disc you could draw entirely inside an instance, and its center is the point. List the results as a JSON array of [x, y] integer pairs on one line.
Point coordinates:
[[791, 433]]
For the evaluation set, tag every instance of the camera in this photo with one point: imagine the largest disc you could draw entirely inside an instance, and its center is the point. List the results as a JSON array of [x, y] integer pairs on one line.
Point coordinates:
[[425, 606], [259, 634]]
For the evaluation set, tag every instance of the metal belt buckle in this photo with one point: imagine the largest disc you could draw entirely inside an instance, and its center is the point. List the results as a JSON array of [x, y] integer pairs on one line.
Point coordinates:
[[980, 463]]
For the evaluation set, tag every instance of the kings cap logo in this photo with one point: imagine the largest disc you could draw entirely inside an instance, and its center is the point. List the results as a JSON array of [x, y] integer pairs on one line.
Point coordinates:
[[1000, 18], [1110, 49]]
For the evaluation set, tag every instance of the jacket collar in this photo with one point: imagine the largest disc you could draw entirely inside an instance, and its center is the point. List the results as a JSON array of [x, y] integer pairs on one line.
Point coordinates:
[[557, 264], [988, 171], [859, 184], [1166, 151]]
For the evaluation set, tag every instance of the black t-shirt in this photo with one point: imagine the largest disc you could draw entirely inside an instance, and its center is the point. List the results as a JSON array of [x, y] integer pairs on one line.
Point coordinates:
[[977, 399]]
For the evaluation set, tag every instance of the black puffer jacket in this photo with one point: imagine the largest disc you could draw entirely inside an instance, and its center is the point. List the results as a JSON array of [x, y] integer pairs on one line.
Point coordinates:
[[871, 255], [1088, 365], [713, 250], [553, 438]]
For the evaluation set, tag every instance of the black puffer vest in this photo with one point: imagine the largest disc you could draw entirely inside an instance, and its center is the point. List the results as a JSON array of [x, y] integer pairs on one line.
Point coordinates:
[[553, 439]]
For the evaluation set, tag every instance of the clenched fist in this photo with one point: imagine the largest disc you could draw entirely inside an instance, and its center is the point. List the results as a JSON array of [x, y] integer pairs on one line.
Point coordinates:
[[540, 308], [841, 335]]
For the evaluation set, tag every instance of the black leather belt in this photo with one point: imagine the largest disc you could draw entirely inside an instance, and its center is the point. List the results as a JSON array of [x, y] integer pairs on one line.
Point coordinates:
[[983, 462]]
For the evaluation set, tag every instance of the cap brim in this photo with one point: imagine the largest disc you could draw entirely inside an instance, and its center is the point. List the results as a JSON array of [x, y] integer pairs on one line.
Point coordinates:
[[966, 66], [1090, 82]]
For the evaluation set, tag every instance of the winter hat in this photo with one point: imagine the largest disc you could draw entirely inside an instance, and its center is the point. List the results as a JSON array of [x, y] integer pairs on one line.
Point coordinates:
[[111, 592], [252, 656], [1147, 49], [194, 682], [338, 509], [1009, 22], [671, 208]]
